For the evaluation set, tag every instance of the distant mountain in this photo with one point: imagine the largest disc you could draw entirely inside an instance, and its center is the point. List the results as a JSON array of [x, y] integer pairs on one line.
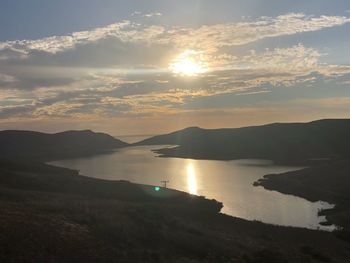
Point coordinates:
[[281, 142], [43, 146]]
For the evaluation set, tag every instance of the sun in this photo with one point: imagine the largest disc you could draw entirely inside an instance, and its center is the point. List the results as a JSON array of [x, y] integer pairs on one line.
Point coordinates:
[[189, 63]]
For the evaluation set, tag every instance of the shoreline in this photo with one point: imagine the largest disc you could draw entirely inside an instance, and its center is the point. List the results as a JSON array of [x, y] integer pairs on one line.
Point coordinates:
[[53, 213], [309, 224], [320, 183]]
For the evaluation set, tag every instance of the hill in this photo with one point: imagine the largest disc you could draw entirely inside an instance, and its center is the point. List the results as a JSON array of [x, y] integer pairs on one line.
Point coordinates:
[[51, 214], [282, 142], [44, 147], [328, 182]]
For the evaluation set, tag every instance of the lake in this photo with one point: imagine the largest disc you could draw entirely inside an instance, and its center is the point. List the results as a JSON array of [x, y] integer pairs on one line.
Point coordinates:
[[227, 181]]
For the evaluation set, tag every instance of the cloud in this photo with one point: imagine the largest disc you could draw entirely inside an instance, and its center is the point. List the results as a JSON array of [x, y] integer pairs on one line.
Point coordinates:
[[6, 79], [214, 36], [56, 44], [136, 13], [205, 37], [147, 15], [122, 69], [109, 94], [153, 14]]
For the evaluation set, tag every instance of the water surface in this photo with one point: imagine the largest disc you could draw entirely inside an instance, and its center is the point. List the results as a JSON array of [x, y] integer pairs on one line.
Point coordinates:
[[227, 181]]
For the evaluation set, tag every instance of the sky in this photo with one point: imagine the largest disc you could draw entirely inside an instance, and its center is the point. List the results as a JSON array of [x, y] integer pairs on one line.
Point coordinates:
[[150, 67]]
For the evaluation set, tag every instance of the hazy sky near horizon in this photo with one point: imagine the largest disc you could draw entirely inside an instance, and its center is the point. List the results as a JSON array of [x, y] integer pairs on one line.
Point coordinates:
[[147, 67]]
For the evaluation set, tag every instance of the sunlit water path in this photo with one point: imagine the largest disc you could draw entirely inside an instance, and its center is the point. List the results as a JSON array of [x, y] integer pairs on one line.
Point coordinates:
[[227, 181]]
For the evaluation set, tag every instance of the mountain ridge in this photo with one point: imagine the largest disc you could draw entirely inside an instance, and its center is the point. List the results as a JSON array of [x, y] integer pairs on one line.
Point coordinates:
[[281, 142], [49, 146]]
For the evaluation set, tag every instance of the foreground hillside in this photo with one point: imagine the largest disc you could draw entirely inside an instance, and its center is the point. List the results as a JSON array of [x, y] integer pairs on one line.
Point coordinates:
[[287, 143], [43, 146], [329, 182], [51, 214]]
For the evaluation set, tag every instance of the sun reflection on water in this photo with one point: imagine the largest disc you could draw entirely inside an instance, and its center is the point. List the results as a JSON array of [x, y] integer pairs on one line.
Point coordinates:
[[191, 179]]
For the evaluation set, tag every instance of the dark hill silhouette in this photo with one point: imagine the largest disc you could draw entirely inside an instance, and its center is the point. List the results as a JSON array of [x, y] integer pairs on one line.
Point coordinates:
[[52, 214], [281, 142], [328, 182], [43, 146]]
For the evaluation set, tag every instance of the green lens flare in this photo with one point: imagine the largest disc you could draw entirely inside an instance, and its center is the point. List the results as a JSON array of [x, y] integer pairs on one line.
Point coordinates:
[[157, 188]]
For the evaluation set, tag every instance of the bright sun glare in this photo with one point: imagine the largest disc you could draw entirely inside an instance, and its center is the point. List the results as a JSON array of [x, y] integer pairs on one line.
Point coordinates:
[[189, 63]]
